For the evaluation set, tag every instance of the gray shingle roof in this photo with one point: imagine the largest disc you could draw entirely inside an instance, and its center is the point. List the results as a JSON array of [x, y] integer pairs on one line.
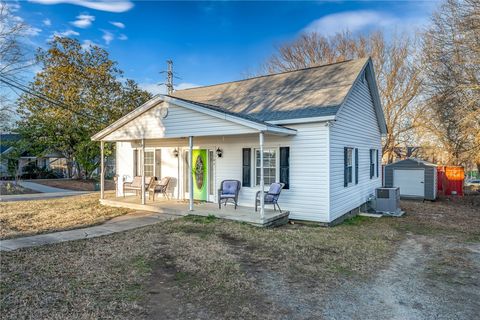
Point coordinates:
[[311, 92]]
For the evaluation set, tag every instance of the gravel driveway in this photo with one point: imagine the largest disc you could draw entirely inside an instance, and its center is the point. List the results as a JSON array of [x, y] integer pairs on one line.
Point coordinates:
[[422, 282]]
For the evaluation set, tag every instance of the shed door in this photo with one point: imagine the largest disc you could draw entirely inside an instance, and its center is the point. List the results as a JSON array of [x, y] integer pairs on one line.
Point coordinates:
[[410, 182]]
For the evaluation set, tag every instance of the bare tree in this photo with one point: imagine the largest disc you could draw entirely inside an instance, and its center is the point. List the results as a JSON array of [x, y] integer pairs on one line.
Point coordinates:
[[398, 76], [451, 65], [14, 57]]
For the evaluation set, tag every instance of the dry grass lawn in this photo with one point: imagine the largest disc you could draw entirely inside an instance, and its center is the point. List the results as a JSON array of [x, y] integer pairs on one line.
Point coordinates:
[[205, 268], [24, 218]]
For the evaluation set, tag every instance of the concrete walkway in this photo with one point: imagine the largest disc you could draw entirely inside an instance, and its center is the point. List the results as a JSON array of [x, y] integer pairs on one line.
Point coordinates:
[[123, 223], [46, 192], [40, 187]]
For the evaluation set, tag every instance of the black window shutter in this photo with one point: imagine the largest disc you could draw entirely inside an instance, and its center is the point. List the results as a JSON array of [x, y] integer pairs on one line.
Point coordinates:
[[345, 167], [356, 166], [372, 163], [246, 167], [285, 166], [378, 161], [135, 163]]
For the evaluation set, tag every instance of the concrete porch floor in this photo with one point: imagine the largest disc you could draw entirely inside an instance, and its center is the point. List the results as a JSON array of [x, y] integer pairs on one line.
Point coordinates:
[[180, 207]]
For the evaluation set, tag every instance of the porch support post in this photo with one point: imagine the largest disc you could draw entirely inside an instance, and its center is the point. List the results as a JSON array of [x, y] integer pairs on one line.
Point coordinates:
[[102, 170], [262, 182], [190, 171], [142, 166]]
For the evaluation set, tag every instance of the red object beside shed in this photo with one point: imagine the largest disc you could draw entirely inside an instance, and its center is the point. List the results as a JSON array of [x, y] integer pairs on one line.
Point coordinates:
[[450, 180]]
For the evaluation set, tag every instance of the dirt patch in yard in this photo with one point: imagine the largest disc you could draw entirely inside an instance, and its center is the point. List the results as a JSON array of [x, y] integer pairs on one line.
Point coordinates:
[[75, 185]]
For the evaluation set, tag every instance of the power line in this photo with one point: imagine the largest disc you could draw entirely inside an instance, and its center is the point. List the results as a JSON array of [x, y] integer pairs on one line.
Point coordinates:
[[170, 76], [19, 86]]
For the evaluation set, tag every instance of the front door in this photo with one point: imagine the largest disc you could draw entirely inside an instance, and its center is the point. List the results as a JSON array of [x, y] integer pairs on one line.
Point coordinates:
[[200, 174]]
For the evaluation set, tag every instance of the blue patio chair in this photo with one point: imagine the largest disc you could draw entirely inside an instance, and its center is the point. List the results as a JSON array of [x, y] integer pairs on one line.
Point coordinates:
[[271, 196], [229, 189]]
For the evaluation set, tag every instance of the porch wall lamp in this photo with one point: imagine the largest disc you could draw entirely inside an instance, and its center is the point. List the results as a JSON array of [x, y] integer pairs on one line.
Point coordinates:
[[175, 153], [219, 152]]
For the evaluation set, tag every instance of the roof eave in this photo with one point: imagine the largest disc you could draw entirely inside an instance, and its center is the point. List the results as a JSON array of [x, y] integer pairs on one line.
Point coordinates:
[[260, 126]]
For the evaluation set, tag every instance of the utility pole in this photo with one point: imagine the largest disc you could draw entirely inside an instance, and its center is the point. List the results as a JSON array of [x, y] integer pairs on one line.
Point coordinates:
[[169, 83]]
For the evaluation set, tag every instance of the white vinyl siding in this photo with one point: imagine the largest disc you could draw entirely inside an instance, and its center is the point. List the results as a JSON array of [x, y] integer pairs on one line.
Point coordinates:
[[356, 125], [307, 198], [180, 122]]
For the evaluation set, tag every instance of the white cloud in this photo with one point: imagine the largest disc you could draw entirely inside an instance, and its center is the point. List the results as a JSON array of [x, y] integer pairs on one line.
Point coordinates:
[[107, 36], [352, 21], [87, 44], [66, 33], [83, 21], [153, 88], [12, 6], [31, 31], [365, 20], [159, 88], [47, 22], [122, 37], [118, 24], [102, 5]]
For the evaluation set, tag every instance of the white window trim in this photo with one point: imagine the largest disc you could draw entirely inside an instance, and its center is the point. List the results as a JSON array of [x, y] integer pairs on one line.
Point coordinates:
[[149, 149], [277, 164]]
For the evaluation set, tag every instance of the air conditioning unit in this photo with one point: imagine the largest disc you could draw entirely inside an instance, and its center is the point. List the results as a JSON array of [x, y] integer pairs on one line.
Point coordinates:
[[388, 201]]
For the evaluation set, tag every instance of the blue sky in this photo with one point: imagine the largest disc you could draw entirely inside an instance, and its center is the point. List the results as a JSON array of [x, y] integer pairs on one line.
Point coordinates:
[[209, 42]]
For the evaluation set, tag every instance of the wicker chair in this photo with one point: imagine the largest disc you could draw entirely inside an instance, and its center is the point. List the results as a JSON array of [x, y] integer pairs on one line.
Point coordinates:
[[271, 197], [229, 189], [136, 184], [159, 186]]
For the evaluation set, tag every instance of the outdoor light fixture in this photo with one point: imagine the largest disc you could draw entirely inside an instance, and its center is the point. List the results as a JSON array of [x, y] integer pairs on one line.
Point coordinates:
[[219, 152], [175, 153]]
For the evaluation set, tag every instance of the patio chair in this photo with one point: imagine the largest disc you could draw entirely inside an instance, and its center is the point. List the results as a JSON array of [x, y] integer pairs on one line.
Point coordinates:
[[271, 196], [159, 186], [136, 184], [229, 189]]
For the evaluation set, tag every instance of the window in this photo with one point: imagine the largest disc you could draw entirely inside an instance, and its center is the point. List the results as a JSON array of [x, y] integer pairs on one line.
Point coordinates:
[[350, 165], [136, 172], [149, 164], [246, 167], [285, 166], [269, 166], [372, 162]]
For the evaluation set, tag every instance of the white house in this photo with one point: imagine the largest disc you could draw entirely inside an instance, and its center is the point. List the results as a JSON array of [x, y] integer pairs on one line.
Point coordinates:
[[319, 128]]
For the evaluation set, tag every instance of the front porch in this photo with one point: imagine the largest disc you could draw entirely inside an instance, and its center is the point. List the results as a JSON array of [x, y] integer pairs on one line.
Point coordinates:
[[248, 215]]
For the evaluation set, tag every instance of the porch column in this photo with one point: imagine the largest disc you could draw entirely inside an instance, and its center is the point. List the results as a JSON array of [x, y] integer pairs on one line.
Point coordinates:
[[262, 183], [102, 170], [190, 173], [142, 166]]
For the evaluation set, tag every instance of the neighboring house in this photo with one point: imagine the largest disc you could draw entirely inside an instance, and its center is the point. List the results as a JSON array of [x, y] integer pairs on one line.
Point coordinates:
[[320, 129], [53, 161]]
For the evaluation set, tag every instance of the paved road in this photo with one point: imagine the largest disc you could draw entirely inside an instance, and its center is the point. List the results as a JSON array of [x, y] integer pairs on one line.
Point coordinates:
[[127, 222]]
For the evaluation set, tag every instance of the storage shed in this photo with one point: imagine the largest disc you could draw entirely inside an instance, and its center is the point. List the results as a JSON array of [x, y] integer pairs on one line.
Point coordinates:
[[415, 178]]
